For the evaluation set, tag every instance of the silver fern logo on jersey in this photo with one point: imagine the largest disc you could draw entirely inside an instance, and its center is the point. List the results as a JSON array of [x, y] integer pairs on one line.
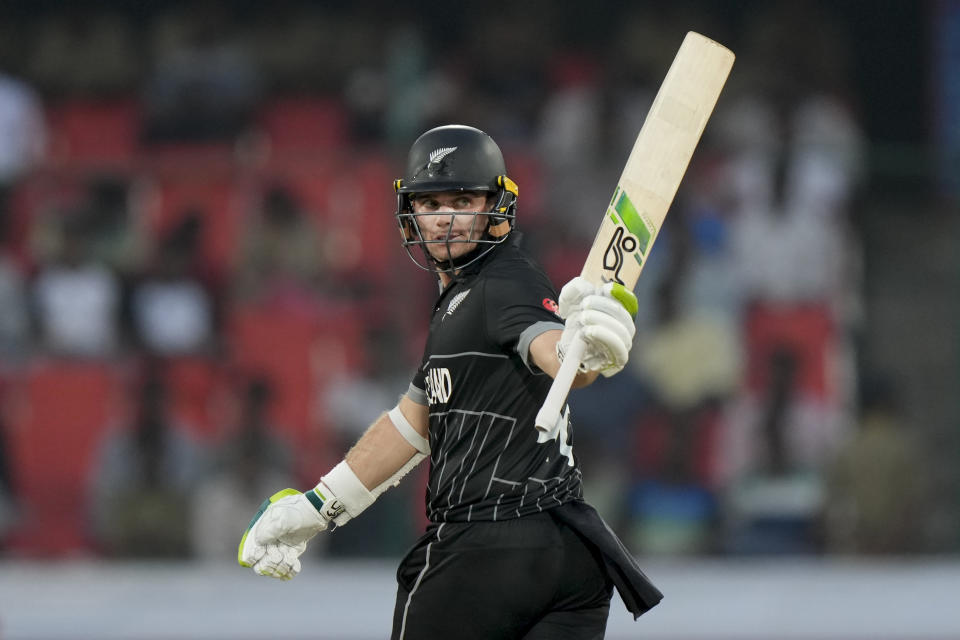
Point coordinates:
[[454, 303], [439, 154]]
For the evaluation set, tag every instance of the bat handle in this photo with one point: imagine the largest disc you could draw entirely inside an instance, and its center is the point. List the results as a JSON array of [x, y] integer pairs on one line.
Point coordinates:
[[549, 413]]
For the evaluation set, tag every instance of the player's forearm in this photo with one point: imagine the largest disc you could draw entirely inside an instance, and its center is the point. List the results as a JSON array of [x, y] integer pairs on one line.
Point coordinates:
[[382, 450]]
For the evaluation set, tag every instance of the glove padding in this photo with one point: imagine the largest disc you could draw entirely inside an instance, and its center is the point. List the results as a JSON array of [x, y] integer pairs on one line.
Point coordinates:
[[603, 317], [278, 534]]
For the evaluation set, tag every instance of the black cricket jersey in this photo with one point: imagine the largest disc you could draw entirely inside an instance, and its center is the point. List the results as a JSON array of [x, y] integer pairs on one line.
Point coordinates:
[[483, 395]]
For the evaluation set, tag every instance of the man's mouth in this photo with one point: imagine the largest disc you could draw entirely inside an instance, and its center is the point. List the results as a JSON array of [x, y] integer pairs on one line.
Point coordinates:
[[451, 237]]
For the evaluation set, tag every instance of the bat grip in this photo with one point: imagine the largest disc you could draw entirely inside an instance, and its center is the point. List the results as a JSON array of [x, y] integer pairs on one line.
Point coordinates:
[[549, 413]]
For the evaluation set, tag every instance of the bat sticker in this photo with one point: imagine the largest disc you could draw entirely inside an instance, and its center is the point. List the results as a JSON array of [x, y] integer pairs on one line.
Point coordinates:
[[634, 223], [630, 237], [620, 243]]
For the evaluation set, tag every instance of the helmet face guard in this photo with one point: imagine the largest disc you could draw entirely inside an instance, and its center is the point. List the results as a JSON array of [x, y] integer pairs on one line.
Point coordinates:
[[497, 226], [455, 159]]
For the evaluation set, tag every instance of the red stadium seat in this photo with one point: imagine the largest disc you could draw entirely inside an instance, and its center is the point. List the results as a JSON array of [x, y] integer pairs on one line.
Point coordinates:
[[94, 133], [299, 126], [216, 198], [352, 201], [806, 331], [39, 194], [655, 445], [298, 351], [370, 221], [58, 414], [197, 388], [279, 347]]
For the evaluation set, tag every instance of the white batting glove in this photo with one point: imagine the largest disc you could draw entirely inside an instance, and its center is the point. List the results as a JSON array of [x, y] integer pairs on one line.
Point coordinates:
[[278, 533], [603, 317]]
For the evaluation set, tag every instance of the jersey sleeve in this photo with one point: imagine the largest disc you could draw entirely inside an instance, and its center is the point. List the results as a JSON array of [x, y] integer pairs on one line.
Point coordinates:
[[417, 391], [519, 309]]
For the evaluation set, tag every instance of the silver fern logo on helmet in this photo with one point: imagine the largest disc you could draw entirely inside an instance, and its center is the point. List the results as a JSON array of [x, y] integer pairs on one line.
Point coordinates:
[[439, 154]]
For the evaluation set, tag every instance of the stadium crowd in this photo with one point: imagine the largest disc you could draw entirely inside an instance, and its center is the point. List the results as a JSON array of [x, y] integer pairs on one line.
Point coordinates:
[[202, 293]]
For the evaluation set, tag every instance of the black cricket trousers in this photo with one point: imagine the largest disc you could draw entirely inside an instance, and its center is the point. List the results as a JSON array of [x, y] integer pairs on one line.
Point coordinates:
[[531, 578]]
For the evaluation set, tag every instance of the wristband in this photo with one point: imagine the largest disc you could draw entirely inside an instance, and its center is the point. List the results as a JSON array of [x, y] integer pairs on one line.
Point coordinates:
[[342, 494]]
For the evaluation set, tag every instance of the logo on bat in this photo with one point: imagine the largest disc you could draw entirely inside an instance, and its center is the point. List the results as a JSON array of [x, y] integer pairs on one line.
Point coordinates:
[[622, 243]]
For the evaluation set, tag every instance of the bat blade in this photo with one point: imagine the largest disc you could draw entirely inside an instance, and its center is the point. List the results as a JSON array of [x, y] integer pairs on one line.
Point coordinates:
[[649, 182], [658, 161]]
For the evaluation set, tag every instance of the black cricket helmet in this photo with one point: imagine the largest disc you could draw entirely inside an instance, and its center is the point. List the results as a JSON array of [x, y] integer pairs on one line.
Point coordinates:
[[456, 158]]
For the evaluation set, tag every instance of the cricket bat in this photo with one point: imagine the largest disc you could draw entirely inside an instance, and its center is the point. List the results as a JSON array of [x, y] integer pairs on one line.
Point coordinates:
[[646, 188]]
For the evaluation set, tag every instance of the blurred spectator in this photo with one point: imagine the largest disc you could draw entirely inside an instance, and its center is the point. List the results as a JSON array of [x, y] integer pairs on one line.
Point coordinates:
[[365, 98], [570, 122], [365, 83], [795, 160], [789, 256], [115, 239], [878, 485], [790, 265], [690, 363], [405, 66], [569, 140], [204, 85], [143, 478], [635, 71], [790, 173], [689, 358], [281, 258], [8, 506], [506, 84], [23, 134], [793, 186], [254, 462], [352, 401], [603, 432], [774, 505], [79, 51], [77, 299], [14, 316], [173, 310], [292, 41]]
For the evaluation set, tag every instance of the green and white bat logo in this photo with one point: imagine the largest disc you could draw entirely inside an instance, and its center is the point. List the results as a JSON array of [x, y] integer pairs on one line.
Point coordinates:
[[631, 237]]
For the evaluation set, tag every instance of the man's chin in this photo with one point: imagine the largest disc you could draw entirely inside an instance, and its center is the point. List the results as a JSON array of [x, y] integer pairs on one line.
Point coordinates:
[[457, 253]]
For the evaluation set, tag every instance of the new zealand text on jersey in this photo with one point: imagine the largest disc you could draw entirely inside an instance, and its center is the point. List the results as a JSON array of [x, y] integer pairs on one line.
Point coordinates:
[[439, 385]]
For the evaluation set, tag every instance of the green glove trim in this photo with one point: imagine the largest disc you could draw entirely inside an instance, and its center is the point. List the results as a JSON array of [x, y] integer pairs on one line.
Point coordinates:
[[315, 499], [625, 297], [263, 507]]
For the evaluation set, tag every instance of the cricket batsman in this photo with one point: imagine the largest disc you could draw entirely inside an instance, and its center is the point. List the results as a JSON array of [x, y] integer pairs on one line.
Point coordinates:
[[512, 550]]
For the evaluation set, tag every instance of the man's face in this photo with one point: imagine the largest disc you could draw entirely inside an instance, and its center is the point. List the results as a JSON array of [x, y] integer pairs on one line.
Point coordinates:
[[448, 222]]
